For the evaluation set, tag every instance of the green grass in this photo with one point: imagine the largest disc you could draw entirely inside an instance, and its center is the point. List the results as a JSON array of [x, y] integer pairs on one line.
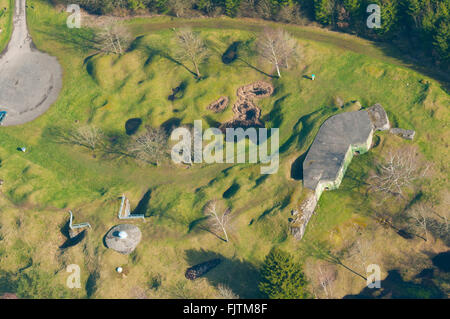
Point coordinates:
[[42, 184], [5, 22]]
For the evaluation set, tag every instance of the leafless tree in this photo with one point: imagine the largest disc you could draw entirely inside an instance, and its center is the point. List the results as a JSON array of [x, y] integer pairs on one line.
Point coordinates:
[[191, 48], [326, 275], [225, 292], [217, 218], [88, 136], [400, 170], [277, 47], [112, 38], [151, 146], [320, 250], [421, 214], [364, 252]]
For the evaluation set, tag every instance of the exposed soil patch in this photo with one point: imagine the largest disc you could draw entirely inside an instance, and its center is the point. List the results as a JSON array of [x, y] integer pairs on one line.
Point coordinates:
[[219, 105], [246, 113], [132, 126]]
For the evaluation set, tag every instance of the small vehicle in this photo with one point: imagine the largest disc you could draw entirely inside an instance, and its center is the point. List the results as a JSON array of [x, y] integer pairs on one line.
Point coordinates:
[[2, 116]]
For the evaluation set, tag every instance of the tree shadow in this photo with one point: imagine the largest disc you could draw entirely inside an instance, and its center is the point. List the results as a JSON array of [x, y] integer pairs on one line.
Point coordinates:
[[394, 287], [251, 66], [152, 52], [240, 276], [78, 39]]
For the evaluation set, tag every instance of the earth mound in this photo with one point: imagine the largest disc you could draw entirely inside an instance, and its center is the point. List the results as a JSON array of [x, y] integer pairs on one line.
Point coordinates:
[[246, 113]]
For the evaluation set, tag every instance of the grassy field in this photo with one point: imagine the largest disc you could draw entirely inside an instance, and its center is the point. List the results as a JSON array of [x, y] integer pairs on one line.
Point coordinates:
[[5, 22], [105, 90]]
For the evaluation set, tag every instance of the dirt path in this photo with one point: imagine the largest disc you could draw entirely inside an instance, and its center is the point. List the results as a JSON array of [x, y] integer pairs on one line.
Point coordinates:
[[30, 80]]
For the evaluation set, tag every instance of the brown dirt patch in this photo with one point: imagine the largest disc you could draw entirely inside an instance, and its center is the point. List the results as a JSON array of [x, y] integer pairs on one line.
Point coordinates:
[[246, 113], [219, 105]]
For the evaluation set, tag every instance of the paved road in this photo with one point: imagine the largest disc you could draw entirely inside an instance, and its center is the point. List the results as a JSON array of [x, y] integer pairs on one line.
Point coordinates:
[[30, 81]]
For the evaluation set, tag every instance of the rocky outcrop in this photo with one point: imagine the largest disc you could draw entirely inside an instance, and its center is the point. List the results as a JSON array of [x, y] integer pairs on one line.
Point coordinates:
[[406, 134], [302, 216]]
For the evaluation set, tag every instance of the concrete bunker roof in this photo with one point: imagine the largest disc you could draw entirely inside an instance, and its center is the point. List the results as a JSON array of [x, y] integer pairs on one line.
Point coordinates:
[[326, 155]]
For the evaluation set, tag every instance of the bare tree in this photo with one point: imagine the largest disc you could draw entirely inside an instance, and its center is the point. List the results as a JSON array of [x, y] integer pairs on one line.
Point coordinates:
[[225, 292], [191, 48], [401, 168], [321, 251], [88, 136], [112, 38], [277, 47], [217, 218], [326, 275], [421, 214], [151, 146], [364, 252]]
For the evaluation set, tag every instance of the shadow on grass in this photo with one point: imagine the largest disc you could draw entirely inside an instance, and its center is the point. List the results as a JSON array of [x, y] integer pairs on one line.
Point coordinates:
[[297, 167], [394, 287], [70, 242], [142, 207], [79, 39], [153, 52], [240, 276]]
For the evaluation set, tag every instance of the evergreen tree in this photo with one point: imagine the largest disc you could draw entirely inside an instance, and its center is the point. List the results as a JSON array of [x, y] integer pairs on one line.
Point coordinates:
[[282, 277], [231, 7], [442, 39], [323, 10], [389, 16]]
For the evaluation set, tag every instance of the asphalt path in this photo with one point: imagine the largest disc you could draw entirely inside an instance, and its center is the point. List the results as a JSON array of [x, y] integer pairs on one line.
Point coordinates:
[[30, 80]]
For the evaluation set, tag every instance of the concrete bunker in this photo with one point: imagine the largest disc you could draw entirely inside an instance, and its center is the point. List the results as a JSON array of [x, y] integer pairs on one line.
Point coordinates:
[[340, 137]]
